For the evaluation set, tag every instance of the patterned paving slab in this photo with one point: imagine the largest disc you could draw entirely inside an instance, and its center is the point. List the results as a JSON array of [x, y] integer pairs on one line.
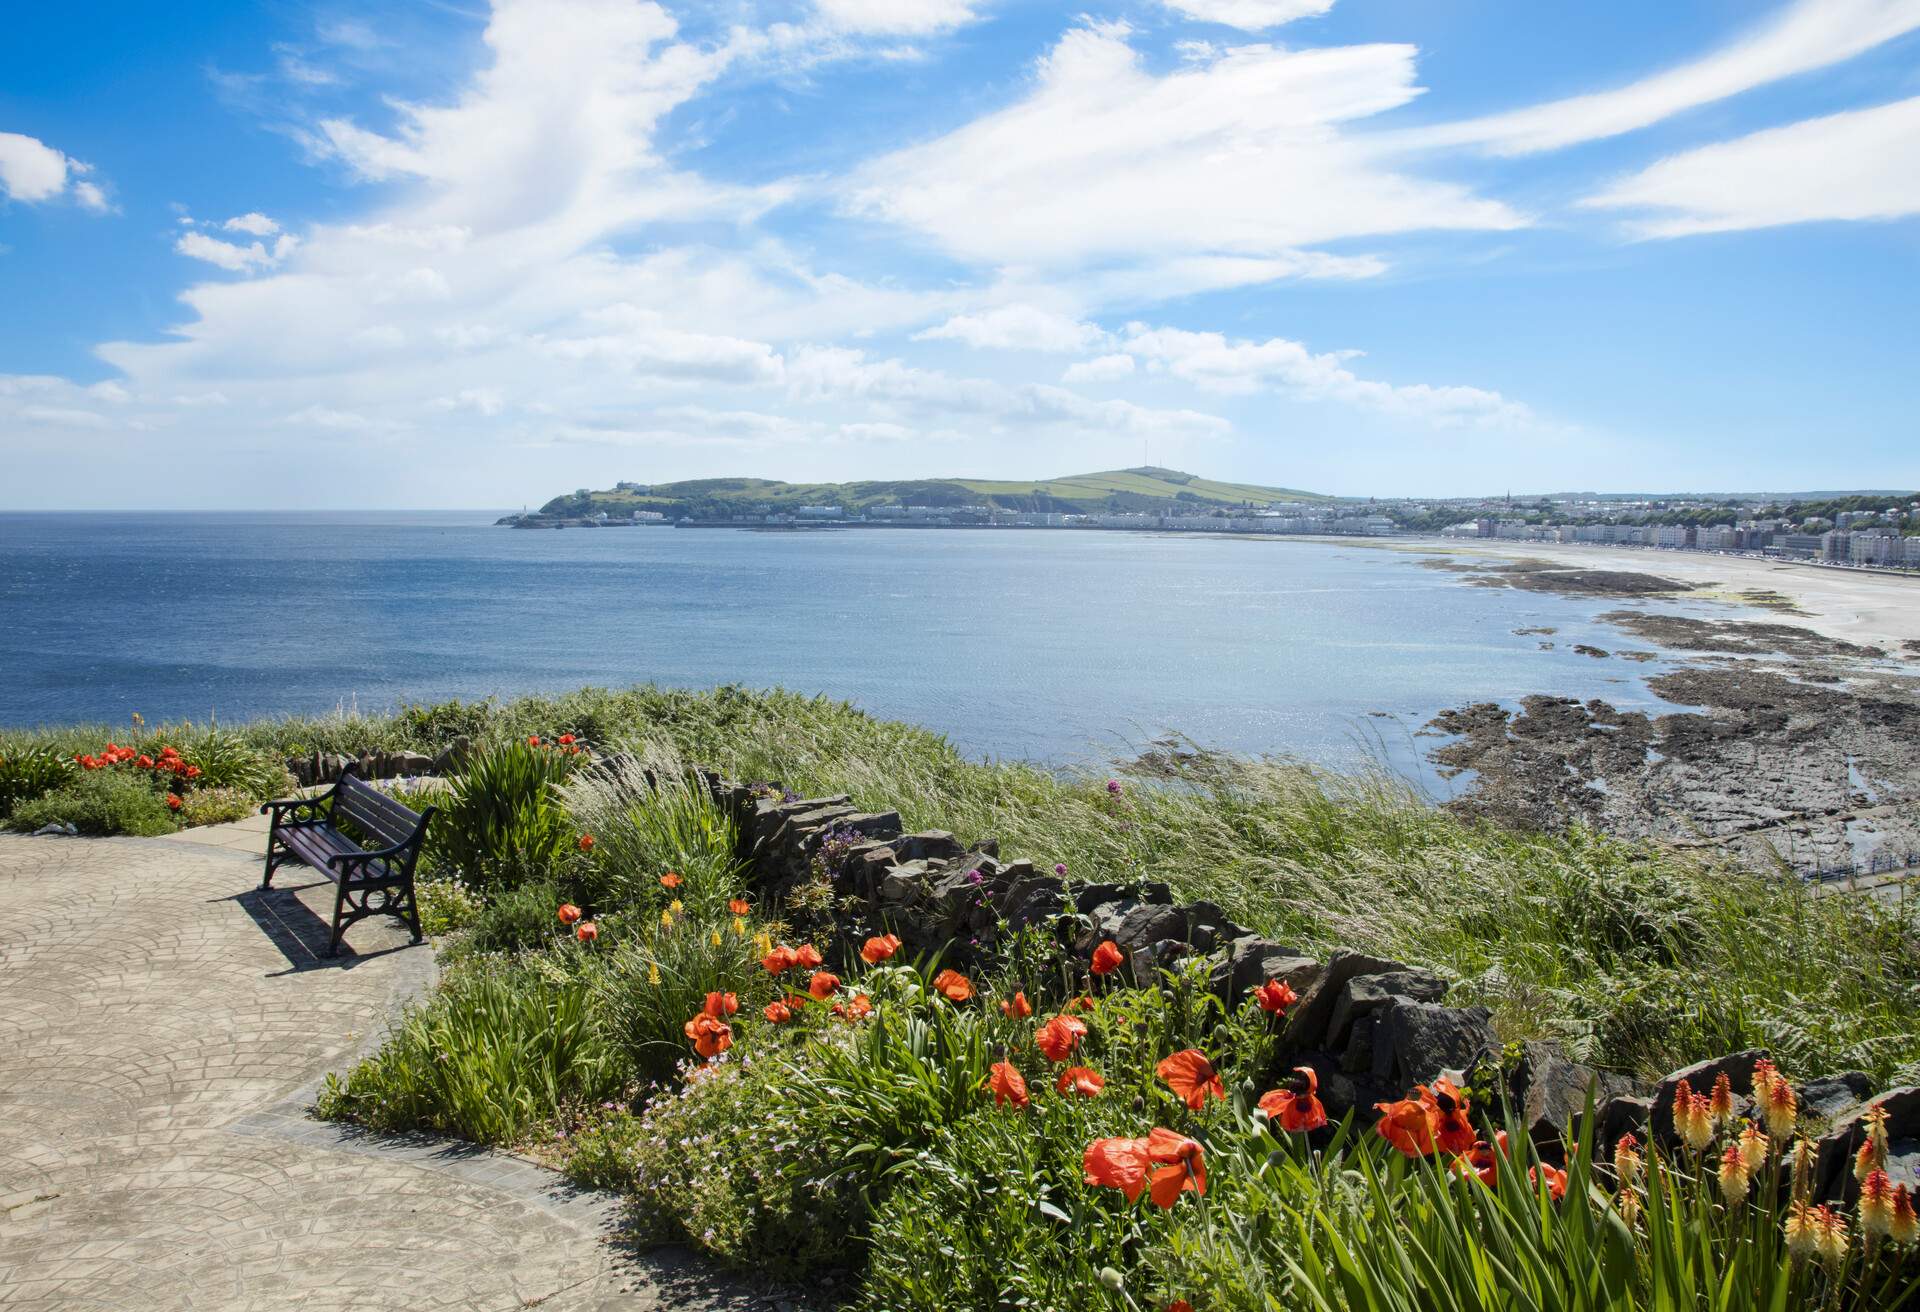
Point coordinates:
[[162, 1026]]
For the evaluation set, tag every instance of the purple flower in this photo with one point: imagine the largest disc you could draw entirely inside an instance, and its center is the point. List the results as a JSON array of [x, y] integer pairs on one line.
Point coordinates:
[[1060, 868], [973, 876], [1113, 787]]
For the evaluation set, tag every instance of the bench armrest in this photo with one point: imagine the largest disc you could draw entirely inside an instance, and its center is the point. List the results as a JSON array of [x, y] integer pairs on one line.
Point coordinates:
[[277, 809]]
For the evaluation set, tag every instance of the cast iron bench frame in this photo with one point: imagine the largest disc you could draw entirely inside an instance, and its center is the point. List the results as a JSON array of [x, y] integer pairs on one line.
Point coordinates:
[[375, 881]]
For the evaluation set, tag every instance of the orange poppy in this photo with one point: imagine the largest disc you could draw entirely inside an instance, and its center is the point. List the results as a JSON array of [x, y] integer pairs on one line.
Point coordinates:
[[1017, 1006], [1275, 996], [1082, 1003], [778, 961], [878, 949], [1555, 1177], [1107, 958], [1179, 1164], [1083, 1080], [953, 986], [1117, 1164], [1297, 1108], [586, 931], [739, 906], [1485, 1159], [1407, 1125], [859, 1007], [569, 913], [586, 842], [1452, 1131], [670, 880], [1059, 1037], [1007, 1085], [710, 1036], [1179, 1305], [823, 984], [777, 1012], [1191, 1077], [807, 957], [721, 1005]]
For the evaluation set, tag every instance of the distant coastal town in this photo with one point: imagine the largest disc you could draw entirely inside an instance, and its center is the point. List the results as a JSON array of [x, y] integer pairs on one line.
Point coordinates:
[[1864, 529]]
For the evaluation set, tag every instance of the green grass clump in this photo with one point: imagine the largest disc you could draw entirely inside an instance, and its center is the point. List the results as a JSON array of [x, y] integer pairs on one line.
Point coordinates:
[[30, 771], [100, 803]]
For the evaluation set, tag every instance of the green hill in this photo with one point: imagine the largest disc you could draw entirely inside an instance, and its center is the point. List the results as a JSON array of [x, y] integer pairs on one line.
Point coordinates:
[[1148, 488]]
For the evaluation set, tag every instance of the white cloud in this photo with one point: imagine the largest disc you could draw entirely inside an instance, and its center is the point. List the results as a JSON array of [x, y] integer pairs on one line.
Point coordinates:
[[1212, 362], [32, 171], [1250, 15], [1101, 369], [254, 224], [484, 401], [1863, 164], [1017, 328], [226, 254], [894, 17], [1105, 164], [1805, 35]]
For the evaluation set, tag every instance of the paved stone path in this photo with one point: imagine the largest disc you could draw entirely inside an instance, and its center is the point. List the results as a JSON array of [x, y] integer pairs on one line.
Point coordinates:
[[162, 1028]]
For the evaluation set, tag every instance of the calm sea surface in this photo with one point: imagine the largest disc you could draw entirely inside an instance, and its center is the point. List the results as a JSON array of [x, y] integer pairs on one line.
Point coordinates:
[[1056, 646]]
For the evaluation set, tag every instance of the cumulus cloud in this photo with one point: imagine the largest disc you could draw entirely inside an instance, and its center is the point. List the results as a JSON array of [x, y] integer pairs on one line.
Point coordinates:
[[1214, 363], [32, 171], [1105, 164], [1101, 369], [1249, 15], [1863, 164], [1805, 35], [254, 224], [894, 17], [1017, 328]]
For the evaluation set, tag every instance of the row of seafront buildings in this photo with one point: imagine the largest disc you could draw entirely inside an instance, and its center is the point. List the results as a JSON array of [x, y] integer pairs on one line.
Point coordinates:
[[1840, 545], [1286, 517]]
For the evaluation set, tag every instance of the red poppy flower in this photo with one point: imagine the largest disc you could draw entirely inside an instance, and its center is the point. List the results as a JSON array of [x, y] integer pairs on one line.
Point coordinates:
[[807, 957], [1555, 1177], [1082, 1003], [1407, 1125], [1485, 1159], [1107, 958], [777, 1012], [795, 1001], [858, 1007], [953, 986], [533, 740], [1453, 1133], [586, 931], [145, 763], [1179, 1164], [1059, 1037], [1298, 1108], [878, 949], [1007, 1085], [1275, 996], [739, 906], [778, 961], [586, 842], [721, 1005], [174, 802], [710, 1036], [1016, 1006], [569, 914], [1117, 1164], [823, 984], [1083, 1080], [1191, 1077], [670, 880], [566, 739], [1179, 1305], [193, 772]]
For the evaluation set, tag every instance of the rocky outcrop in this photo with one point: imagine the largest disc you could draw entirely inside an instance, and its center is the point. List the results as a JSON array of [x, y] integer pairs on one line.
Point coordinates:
[[326, 767]]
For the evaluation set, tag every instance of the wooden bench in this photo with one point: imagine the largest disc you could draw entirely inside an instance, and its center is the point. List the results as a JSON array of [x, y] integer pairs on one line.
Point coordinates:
[[370, 881]]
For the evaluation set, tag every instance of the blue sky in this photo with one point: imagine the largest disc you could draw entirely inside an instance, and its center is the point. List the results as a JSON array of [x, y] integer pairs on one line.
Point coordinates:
[[427, 253]]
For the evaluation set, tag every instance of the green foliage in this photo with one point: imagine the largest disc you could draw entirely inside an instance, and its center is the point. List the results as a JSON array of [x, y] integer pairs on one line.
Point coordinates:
[[216, 806], [517, 919], [650, 815], [225, 761], [29, 772], [601, 1151], [500, 1049], [659, 976], [503, 823], [445, 905], [100, 803]]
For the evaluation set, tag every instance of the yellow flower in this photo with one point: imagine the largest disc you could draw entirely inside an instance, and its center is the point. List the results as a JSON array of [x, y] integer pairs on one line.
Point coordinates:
[[1803, 1162], [1802, 1238], [1734, 1177], [653, 973], [1873, 1152], [1626, 1161], [739, 926], [1830, 1229], [1754, 1147], [1906, 1225], [1876, 1205], [676, 906], [666, 920], [1782, 1109], [717, 940], [1629, 1205]]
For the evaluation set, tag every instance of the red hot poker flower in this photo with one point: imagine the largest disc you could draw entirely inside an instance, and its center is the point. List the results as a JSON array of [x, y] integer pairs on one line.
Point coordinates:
[[1107, 958], [1191, 1077], [1060, 1036], [1298, 1108], [879, 948], [1275, 996], [1083, 1080], [1007, 1085]]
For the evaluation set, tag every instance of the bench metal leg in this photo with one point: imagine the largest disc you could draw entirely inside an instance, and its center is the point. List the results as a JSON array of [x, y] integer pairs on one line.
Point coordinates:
[[339, 907]]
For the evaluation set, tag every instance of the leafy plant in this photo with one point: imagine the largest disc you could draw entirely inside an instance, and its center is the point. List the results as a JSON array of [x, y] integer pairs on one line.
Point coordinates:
[[656, 979], [504, 823], [216, 806], [225, 761], [28, 772], [100, 803], [649, 816]]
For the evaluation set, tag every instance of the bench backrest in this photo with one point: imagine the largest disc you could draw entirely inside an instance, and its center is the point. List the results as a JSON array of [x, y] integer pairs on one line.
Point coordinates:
[[373, 812]]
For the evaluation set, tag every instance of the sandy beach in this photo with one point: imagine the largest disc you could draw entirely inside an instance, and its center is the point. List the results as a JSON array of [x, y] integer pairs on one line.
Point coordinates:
[[1858, 606]]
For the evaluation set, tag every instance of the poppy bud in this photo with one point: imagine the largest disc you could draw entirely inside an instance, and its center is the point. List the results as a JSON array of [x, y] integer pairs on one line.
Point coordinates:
[[1112, 1279]]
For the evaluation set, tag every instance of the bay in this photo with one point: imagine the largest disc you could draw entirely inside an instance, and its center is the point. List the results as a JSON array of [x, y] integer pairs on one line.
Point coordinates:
[[1062, 647]]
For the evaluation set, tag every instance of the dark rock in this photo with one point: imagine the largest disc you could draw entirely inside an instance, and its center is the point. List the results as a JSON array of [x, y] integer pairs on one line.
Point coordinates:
[[1413, 1042], [1835, 1095], [904, 885], [1208, 928], [989, 846], [408, 765], [1365, 994], [1089, 896], [1358, 1058], [1701, 1076], [1147, 924], [1252, 961], [1548, 1091], [1623, 1114], [1833, 1172], [1307, 1021], [1036, 902], [453, 758], [929, 845]]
